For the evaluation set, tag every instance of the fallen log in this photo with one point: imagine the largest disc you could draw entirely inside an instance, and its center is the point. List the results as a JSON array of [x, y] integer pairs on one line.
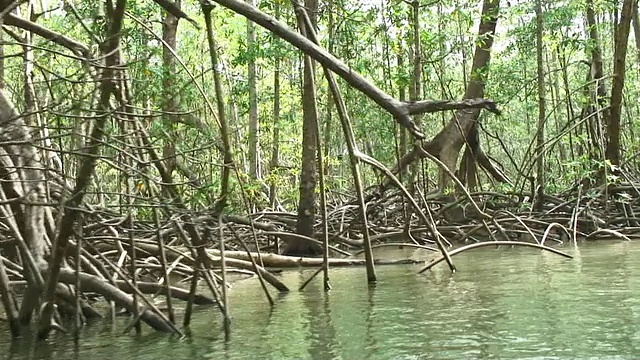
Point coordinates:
[[173, 253], [269, 260], [111, 293], [493, 243], [283, 261]]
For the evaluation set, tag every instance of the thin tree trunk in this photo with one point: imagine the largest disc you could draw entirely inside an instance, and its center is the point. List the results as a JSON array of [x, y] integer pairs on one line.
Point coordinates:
[[402, 94], [254, 127], [86, 169], [23, 176], [598, 96], [308, 174], [636, 28], [555, 103], [415, 89], [539, 153], [1, 53], [21, 179], [328, 122], [275, 147], [34, 215], [221, 203], [447, 143], [612, 152], [354, 158], [170, 95], [567, 97]]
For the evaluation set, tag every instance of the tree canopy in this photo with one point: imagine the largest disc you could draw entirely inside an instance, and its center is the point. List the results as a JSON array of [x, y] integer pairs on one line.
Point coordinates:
[[322, 126]]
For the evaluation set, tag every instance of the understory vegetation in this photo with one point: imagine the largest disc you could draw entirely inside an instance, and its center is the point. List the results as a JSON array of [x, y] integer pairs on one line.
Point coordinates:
[[149, 148]]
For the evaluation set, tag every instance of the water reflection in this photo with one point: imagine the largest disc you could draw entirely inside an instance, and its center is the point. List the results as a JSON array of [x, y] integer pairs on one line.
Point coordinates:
[[504, 303], [321, 334]]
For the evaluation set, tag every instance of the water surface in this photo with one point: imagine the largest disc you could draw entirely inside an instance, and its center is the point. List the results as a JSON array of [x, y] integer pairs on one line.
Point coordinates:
[[502, 304]]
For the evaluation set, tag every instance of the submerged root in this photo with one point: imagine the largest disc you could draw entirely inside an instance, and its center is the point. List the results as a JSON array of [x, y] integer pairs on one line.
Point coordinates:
[[111, 293], [106, 255]]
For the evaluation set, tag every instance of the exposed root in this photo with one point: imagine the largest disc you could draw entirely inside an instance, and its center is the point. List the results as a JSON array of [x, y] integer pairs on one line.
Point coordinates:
[[492, 243]]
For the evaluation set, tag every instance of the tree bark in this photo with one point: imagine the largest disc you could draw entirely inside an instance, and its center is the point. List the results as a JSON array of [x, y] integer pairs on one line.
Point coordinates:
[[612, 152], [308, 174], [23, 183], [23, 180], [636, 28], [415, 89], [86, 170], [95, 284], [1, 53], [170, 96], [402, 94], [254, 126], [398, 109], [224, 126], [275, 142], [597, 96], [539, 153], [447, 143]]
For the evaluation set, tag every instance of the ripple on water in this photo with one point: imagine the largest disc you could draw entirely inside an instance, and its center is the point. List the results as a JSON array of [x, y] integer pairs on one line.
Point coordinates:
[[502, 304]]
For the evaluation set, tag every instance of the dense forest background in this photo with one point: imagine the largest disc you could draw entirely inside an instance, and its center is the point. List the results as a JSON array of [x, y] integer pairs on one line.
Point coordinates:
[[166, 121], [376, 39]]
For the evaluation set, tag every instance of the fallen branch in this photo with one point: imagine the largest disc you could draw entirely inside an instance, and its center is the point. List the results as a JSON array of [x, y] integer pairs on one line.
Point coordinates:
[[111, 293], [608, 232], [492, 243]]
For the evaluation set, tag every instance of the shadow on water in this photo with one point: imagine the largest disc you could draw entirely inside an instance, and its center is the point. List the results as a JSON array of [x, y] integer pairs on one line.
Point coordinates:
[[502, 303]]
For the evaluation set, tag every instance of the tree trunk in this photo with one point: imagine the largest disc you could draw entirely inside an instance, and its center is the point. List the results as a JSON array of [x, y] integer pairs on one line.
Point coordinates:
[[415, 91], [23, 182], [254, 147], [170, 105], [328, 121], [33, 218], [308, 175], [415, 88], [402, 95], [636, 28], [597, 96], [612, 152], [1, 54], [224, 127], [275, 147], [539, 153], [86, 171], [447, 143]]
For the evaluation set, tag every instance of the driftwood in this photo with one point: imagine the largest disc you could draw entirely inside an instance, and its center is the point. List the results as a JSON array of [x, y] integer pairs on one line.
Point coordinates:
[[112, 293], [493, 243], [511, 221], [123, 258]]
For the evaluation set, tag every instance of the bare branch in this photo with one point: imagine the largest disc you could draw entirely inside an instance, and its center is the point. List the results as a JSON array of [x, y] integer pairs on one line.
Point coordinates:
[[50, 35], [429, 106], [393, 106], [171, 8]]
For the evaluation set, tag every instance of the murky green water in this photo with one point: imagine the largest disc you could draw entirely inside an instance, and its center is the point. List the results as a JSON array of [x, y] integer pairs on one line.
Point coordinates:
[[502, 304]]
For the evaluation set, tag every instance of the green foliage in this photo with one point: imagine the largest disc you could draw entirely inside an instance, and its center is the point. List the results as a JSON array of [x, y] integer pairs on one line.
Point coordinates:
[[369, 38]]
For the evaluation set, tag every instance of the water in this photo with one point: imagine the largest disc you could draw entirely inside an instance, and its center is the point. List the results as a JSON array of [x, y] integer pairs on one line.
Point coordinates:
[[502, 304]]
